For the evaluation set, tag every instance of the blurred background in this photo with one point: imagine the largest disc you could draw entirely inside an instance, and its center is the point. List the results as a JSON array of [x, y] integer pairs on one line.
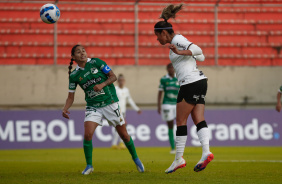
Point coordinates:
[[241, 40]]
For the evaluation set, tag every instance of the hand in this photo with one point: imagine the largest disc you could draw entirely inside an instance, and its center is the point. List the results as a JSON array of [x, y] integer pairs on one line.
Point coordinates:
[[139, 112], [278, 107], [65, 114], [173, 48], [159, 110], [99, 87]]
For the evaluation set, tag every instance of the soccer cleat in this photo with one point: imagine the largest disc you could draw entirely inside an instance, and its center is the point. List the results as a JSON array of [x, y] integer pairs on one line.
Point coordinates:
[[139, 165], [202, 164], [173, 152], [121, 145], [177, 164], [89, 169]]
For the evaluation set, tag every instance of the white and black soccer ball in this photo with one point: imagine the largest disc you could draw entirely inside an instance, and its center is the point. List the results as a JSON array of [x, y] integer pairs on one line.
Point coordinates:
[[49, 13]]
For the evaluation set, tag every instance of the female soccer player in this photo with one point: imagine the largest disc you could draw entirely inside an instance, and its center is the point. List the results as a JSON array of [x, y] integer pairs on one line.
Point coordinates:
[[278, 104], [124, 97], [193, 88], [170, 86], [96, 79]]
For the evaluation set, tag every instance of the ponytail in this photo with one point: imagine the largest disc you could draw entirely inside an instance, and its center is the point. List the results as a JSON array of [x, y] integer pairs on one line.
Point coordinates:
[[72, 54], [70, 66], [167, 13]]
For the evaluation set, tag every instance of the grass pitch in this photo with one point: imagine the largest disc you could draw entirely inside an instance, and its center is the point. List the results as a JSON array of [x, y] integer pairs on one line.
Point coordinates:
[[64, 166]]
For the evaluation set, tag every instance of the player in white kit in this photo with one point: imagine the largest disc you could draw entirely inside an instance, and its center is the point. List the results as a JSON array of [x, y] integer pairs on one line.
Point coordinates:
[[193, 88], [124, 98]]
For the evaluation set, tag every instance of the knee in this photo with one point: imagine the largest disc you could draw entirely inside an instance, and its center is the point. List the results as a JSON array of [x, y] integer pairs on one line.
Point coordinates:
[[180, 121], [125, 137], [87, 136]]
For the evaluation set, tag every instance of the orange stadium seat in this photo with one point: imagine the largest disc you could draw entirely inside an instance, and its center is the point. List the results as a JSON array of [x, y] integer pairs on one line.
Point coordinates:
[[248, 36]]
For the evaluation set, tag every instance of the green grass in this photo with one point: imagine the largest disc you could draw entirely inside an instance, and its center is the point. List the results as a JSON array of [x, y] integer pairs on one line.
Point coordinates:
[[231, 165]]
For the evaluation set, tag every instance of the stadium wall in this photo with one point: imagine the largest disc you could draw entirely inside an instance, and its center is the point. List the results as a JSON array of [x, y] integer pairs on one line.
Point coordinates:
[[48, 85]]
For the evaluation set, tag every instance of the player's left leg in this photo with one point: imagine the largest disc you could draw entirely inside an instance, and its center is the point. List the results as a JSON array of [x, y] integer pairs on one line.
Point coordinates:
[[121, 129], [203, 134]]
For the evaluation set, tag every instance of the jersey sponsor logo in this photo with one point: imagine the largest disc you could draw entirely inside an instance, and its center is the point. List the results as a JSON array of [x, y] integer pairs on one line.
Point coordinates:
[[90, 82], [181, 46], [170, 95], [197, 97], [72, 85], [86, 74], [93, 94], [171, 88], [94, 70]]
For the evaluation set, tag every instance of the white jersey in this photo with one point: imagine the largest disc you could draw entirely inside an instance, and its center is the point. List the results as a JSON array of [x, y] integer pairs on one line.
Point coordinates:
[[185, 66], [124, 97]]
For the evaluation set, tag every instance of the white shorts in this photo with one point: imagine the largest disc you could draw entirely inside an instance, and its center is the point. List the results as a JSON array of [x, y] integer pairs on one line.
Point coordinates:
[[111, 113], [168, 112]]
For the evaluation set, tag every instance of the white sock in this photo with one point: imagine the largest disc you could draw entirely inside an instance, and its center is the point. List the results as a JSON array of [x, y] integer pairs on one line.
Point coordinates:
[[115, 138], [180, 143], [203, 135]]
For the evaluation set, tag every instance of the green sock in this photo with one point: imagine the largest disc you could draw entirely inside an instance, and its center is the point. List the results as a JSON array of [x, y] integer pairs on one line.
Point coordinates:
[[131, 148], [88, 148], [171, 138]]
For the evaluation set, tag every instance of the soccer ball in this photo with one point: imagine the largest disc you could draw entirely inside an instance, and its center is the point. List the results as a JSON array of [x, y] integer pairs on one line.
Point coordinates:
[[49, 13]]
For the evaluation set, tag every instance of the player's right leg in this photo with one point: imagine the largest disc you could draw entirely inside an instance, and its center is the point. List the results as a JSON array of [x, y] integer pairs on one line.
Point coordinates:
[[89, 128], [93, 118], [182, 113]]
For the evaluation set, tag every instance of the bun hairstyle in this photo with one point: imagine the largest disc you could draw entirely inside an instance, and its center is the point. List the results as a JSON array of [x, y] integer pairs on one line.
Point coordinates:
[[71, 62], [167, 13]]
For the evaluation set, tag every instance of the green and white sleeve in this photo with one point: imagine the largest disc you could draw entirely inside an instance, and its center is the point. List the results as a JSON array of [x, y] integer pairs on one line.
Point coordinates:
[[72, 85]]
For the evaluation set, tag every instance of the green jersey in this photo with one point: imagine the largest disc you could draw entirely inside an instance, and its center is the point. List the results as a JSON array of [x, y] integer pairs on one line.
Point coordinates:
[[94, 72], [170, 86], [280, 89]]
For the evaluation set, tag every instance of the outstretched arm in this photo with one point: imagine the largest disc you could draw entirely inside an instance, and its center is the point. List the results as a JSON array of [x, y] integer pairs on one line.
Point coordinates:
[[278, 105], [68, 104], [111, 79], [132, 103]]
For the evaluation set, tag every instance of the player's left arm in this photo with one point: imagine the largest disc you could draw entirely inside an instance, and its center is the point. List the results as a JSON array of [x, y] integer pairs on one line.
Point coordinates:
[[111, 79]]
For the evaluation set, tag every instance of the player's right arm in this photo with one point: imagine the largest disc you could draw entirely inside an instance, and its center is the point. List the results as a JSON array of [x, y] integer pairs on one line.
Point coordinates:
[[68, 104], [70, 99], [161, 88]]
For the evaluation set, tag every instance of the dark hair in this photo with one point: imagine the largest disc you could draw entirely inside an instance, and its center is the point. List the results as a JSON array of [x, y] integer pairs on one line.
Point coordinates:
[[120, 76], [167, 13], [71, 62], [169, 65]]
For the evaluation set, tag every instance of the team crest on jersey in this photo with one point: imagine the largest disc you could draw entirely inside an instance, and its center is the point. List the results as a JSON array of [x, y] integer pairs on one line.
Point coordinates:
[[94, 70], [80, 78]]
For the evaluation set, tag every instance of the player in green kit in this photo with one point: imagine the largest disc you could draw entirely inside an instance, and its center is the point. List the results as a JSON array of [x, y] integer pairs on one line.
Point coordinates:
[[96, 79], [170, 86]]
